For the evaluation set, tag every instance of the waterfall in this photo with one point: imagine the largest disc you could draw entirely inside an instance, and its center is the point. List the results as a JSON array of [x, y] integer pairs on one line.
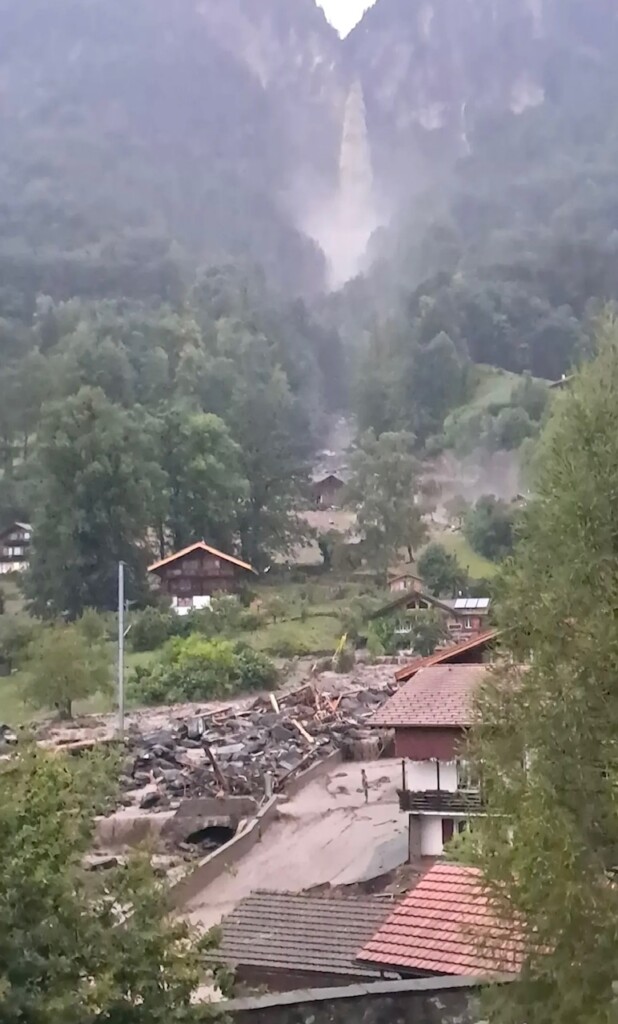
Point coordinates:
[[355, 166], [344, 223]]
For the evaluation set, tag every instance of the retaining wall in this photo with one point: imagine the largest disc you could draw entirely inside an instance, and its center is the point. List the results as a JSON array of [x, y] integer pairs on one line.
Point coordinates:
[[212, 866], [419, 1001], [223, 858], [317, 771]]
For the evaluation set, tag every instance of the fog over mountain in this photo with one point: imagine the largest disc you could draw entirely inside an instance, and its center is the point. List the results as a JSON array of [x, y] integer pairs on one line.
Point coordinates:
[[229, 127]]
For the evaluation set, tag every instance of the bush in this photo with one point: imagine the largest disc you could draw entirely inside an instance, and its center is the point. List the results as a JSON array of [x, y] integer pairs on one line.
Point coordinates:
[[257, 671], [196, 669], [151, 628]]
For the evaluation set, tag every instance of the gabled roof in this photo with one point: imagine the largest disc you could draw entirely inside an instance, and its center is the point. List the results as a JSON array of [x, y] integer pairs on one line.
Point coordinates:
[[323, 478], [296, 932], [11, 526], [448, 654], [438, 697], [200, 546], [405, 576], [446, 926], [410, 595]]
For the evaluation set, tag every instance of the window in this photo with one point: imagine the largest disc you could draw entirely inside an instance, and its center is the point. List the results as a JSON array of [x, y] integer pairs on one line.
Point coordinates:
[[467, 776]]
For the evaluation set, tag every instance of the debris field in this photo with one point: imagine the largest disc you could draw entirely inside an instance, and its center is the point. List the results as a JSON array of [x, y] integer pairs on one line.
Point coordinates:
[[253, 752]]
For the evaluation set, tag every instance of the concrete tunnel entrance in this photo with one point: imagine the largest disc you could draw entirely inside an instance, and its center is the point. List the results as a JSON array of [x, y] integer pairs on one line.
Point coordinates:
[[211, 837]]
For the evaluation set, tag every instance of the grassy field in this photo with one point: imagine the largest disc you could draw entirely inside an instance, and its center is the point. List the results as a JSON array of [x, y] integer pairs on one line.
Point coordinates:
[[490, 387], [477, 566], [13, 710]]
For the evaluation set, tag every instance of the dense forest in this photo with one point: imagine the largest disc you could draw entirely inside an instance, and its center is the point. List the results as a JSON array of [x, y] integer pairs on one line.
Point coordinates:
[[171, 352]]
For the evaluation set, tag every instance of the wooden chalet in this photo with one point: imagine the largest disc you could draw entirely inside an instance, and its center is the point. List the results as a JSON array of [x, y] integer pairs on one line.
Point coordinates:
[[465, 617], [15, 541], [405, 582], [326, 490], [193, 576]]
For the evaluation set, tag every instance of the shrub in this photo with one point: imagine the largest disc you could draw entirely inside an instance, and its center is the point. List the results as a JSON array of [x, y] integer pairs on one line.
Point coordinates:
[[195, 669], [250, 621], [151, 628], [257, 671]]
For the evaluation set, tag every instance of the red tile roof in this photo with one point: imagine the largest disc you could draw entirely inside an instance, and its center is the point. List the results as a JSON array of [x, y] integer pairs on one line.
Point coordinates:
[[446, 926], [200, 546], [438, 697], [446, 655]]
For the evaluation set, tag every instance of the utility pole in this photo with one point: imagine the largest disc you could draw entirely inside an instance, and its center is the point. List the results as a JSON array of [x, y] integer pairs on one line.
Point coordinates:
[[121, 648]]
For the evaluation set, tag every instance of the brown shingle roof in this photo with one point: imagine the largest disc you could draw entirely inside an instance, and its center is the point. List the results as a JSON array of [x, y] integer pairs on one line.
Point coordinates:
[[296, 932], [478, 643], [439, 696], [446, 926], [200, 546]]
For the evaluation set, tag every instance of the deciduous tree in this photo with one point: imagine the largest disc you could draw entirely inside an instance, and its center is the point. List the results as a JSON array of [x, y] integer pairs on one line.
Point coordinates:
[[96, 477], [440, 571], [383, 490], [204, 485], [79, 948], [67, 663]]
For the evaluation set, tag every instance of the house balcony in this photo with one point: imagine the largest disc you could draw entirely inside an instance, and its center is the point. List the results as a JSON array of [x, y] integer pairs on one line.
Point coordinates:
[[461, 802]]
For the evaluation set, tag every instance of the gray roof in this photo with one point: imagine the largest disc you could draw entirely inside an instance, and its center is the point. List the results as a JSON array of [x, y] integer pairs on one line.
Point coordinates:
[[297, 932]]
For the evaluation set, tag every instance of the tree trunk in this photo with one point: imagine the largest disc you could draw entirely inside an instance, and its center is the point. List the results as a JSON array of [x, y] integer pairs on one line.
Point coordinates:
[[65, 710]]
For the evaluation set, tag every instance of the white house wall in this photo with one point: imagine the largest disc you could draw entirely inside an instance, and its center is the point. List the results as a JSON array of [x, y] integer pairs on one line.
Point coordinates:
[[422, 776]]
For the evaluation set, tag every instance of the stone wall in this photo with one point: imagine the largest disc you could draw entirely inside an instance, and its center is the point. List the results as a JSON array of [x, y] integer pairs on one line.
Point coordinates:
[[419, 1001]]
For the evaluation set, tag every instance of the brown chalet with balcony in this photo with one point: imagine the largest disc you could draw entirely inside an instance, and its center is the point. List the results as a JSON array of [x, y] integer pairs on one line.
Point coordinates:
[[193, 576], [15, 541]]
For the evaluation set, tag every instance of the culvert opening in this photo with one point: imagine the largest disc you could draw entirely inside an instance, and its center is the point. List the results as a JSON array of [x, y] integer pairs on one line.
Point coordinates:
[[211, 837]]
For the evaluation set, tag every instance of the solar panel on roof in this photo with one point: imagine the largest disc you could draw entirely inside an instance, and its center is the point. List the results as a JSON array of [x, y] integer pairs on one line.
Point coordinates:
[[484, 602], [460, 604]]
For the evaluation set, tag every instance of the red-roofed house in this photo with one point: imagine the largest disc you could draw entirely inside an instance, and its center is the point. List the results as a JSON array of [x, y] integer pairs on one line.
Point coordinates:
[[446, 926], [193, 576], [473, 651], [431, 715]]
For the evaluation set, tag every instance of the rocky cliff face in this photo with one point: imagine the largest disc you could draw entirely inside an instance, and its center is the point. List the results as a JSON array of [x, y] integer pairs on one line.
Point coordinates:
[[230, 124], [435, 71]]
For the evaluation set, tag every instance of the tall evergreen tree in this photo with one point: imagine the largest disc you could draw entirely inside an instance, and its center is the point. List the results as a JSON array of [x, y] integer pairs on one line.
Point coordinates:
[[548, 743]]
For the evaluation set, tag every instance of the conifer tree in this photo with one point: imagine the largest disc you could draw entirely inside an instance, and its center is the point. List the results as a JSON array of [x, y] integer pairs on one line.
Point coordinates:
[[548, 742]]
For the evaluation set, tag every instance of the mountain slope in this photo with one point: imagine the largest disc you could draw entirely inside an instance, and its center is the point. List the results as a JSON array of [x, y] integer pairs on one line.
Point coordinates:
[[435, 71], [132, 119]]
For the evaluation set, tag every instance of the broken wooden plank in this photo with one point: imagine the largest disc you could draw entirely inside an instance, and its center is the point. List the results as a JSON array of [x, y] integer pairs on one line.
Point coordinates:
[[303, 731]]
